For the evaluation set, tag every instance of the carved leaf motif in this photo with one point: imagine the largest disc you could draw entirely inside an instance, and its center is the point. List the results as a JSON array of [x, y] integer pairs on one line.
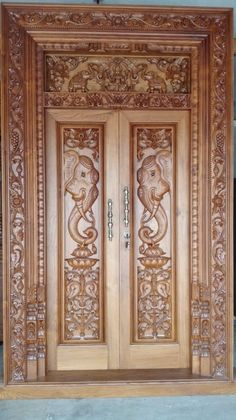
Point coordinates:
[[82, 282], [117, 101], [118, 74], [154, 300]]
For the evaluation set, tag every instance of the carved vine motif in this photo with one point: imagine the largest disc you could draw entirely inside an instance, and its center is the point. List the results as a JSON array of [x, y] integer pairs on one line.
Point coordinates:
[[17, 203], [82, 288], [154, 280], [117, 74], [116, 20], [154, 139], [117, 100], [82, 138]]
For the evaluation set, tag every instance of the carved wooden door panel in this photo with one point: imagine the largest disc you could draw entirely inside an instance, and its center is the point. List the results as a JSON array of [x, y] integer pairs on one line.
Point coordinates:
[[105, 311], [154, 271]]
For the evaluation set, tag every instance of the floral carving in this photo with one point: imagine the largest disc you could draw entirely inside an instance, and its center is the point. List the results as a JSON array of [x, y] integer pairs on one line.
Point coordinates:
[[219, 202], [82, 138], [82, 282], [58, 70], [117, 100], [17, 203], [154, 304], [117, 74]]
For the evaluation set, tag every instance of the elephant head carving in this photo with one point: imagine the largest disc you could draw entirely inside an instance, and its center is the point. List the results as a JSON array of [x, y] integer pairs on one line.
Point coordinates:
[[154, 183], [81, 180]]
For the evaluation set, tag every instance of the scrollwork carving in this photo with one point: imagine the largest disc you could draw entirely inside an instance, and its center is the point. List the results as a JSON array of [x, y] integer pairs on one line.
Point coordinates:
[[17, 203], [82, 282], [154, 280], [118, 74], [117, 100]]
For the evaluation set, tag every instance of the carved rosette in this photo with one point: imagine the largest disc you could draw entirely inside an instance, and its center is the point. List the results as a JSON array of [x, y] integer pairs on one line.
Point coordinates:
[[154, 272], [83, 283]]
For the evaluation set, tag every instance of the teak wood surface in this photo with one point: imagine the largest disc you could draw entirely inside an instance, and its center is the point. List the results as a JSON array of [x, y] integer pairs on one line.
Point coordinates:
[[126, 63]]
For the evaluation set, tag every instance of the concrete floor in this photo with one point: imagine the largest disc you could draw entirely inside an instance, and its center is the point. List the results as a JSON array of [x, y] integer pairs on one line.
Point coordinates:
[[158, 408]]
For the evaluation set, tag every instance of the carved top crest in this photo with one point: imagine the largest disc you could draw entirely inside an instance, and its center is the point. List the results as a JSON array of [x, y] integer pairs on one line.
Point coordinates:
[[118, 20]]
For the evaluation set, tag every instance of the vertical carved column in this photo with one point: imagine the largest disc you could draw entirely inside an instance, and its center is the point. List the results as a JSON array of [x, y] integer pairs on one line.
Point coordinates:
[[219, 197], [16, 342]]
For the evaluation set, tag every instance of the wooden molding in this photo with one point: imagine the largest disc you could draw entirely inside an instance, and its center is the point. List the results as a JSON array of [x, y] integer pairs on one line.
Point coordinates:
[[30, 32]]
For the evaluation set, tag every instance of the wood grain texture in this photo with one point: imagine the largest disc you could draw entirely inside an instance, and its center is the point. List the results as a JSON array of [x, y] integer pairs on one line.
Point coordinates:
[[201, 33], [121, 389], [158, 352]]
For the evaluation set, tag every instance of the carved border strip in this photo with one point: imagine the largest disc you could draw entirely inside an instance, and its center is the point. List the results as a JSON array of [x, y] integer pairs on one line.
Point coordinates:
[[203, 22], [218, 197], [16, 205], [117, 100], [116, 20], [41, 295]]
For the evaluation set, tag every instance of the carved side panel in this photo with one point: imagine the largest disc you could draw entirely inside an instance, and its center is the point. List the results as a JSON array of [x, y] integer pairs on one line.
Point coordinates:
[[154, 291], [83, 198], [16, 216]]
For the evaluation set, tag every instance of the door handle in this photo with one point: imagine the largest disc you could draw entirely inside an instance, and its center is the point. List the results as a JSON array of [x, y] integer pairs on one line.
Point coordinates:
[[110, 220], [126, 217], [126, 206]]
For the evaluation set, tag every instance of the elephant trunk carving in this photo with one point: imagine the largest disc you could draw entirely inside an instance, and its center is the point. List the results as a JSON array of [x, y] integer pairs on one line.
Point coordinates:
[[77, 214]]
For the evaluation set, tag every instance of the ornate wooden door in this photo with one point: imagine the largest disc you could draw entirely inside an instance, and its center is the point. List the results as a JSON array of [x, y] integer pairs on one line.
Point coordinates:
[[118, 220], [117, 165]]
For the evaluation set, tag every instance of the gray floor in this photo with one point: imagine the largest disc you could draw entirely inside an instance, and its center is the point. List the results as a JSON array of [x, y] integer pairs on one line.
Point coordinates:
[[159, 408]]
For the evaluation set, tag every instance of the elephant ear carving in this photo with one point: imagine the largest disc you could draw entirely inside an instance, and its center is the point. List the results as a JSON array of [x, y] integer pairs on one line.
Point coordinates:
[[71, 160], [163, 158]]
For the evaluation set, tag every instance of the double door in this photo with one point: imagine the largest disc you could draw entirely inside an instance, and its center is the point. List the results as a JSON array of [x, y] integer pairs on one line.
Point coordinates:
[[118, 235]]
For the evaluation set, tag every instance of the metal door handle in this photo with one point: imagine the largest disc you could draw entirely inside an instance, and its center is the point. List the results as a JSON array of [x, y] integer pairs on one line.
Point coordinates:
[[110, 220], [126, 206]]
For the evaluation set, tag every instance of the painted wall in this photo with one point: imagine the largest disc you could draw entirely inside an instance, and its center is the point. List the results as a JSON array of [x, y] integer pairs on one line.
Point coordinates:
[[203, 3]]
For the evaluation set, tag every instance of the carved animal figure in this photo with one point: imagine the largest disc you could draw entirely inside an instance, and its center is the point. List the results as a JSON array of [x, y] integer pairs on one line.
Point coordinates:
[[153, 185], [79, 82], [155, 82], [81, 178]]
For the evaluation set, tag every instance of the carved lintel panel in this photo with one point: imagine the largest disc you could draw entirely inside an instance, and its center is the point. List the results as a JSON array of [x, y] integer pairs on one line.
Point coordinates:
[[83, 279], [166, 74], [154, 296]]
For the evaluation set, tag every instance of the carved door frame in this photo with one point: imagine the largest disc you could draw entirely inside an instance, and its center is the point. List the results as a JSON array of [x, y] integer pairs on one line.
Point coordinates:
[[205, 35]]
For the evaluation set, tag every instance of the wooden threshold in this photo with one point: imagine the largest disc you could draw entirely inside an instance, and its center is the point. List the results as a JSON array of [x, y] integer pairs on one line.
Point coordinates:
[[118, 383], [120, 375], [119, 389]]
